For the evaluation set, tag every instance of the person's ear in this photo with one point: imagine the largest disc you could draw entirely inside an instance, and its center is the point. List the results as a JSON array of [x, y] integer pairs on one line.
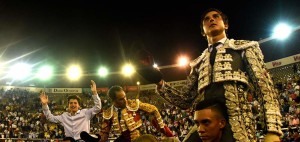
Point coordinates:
[[226, 26], [222, 123], [202, 31]]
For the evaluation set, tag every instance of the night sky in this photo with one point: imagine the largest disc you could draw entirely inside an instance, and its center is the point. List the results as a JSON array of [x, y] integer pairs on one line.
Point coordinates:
[[93, 33]]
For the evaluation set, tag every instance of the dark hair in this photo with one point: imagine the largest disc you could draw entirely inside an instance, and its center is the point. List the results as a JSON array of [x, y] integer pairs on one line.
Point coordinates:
[[75, 97], [224, 17], [215, 104], [112, 92]]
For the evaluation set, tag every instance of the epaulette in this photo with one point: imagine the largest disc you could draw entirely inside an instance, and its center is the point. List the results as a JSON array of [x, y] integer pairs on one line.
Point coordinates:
[[241, 44], [108, 113], [198, 59], [148, 107], [133, 105]]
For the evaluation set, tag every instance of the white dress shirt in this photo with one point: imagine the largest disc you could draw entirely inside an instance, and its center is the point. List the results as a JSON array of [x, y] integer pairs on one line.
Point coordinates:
[[74, 125]]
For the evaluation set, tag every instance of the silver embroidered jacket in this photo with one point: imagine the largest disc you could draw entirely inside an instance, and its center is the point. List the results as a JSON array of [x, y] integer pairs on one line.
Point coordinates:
[[236, 83]]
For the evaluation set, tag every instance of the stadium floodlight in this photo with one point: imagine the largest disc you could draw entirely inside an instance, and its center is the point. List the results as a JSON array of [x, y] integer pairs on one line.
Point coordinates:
[[74, 72], [103, 72], [282, 31], [45, 72], [128, 70], [183, 61], [19, 71]]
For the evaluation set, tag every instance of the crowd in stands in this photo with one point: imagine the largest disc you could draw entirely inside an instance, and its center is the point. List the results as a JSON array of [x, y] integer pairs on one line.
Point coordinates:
[[21, 115], [290, 109]]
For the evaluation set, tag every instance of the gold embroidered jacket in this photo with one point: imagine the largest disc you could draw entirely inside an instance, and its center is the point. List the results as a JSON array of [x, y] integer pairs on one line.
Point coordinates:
[[130, 119], [237, 82]]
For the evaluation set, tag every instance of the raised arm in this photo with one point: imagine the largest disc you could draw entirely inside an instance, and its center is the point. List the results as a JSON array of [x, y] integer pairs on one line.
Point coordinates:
[[94, 87], [184, 98], [97, 102], [44, 100]]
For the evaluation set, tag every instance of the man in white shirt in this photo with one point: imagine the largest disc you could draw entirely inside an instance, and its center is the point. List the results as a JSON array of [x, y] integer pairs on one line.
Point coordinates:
[[75, 120]]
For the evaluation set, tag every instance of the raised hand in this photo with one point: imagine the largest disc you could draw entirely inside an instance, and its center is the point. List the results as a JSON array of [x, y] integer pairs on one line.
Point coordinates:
[[44, 98], [93, 87], [151, 74], [144, 62]]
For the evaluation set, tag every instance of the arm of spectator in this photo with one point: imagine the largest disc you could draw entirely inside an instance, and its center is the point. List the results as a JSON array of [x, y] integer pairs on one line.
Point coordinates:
[[97, 102], [44, 100]]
